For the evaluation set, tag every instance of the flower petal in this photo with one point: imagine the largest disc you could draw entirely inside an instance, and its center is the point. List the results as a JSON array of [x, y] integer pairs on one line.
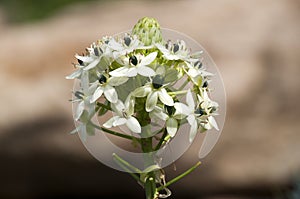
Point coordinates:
[[133, 125], [74, 75], [148, 59], [93, 64], [132, 72], [151, 101], [158, 113], [213, 122], [193, 130], [119, 72], [141, 91], [191, 118], [165, 98], [181, 109], [118, 107], [97, 94], [85, 59], [79, 110], [129, 103], [116, 81], [190, 100], [172, 126], [119, 121], [111, 94], [145, 71], [109, 123]]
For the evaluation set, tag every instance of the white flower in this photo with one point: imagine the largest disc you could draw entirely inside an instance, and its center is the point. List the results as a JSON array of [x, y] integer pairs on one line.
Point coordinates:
[[208, 109], [196, 69], [202, 113], [171, 121], [154, 90], [126, 45], [84, 97], [188, 111], [106, 85], [136, 64], [85, 110], [124, 116], [176, 51]]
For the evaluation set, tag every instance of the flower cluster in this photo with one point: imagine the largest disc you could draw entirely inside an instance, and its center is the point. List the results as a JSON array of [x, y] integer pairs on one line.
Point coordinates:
[[142, 78]]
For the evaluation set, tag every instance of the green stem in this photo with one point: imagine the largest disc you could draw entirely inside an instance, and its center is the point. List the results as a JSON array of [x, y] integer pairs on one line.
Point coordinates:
[[129, 137], [162, 139], [179, 177], [120, 163], [126, 164], [149, 185], [178, 92], [103, 106]]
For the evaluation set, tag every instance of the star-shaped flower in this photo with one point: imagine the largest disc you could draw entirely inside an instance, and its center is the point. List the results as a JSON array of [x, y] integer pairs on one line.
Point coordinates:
[[124, 115], [126, 45], [176, 51], [106, 85], [201, 113], [183, 110], [154, 90], [168, 116], [207, 110], [136, 64], [85, 110]]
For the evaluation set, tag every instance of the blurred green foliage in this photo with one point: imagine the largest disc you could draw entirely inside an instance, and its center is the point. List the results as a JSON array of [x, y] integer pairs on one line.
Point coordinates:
[[18, 11]]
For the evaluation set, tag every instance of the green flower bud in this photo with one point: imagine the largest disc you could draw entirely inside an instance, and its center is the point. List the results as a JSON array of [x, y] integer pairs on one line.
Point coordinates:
[[148, 31]]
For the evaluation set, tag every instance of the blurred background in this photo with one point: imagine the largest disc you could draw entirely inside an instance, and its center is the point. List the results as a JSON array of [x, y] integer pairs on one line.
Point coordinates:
[[255, 44]]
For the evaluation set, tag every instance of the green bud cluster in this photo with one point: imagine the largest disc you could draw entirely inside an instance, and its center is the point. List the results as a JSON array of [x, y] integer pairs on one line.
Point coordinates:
[[148, 31]]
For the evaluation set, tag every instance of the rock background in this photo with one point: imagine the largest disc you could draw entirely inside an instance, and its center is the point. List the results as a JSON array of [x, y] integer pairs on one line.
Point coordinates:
[[256, 46]]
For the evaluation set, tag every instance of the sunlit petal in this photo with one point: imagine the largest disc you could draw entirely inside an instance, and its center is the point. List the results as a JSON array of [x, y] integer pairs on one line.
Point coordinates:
[[148, 59], [119, 121], [165, 98], [190, 100], [151, 101], [193, 130], [181, 109], [133, 125], [141, 91], [97, 94], [172, 126], [119, 72], [145, 71], [93, 64], [110, 94], [109, 123]]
